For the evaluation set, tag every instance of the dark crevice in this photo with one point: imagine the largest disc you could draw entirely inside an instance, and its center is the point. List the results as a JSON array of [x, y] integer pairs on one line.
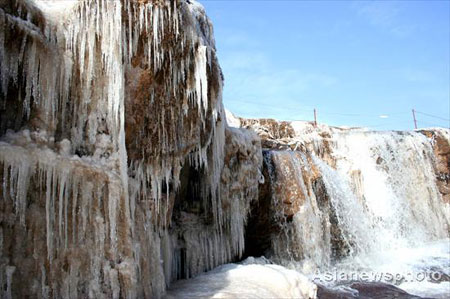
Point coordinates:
[[261, 224]]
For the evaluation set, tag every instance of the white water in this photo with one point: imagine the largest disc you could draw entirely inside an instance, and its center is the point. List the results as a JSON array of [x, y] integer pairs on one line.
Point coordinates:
[[398, 187], [390, 214], [421, 270]]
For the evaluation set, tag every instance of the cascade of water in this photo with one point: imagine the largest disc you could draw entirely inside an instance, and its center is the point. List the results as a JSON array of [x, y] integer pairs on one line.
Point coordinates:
[[397, 185], [378, 192]]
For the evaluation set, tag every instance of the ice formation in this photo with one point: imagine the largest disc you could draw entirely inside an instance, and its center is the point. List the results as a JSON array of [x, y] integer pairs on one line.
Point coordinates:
[[119, 173], [115, 175]]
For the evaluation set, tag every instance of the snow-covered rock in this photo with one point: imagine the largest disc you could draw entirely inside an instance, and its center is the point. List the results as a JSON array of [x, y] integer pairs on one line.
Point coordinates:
[[248, 280]]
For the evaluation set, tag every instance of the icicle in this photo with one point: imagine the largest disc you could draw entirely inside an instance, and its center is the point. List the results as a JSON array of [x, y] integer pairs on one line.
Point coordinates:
[[62, 190], [49, 212], [113, 201], [9, 273]]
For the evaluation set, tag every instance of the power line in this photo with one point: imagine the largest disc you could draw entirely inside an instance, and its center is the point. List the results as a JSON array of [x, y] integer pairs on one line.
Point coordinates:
[[430, 124], [302, 111], [319, 111], [272, 106], [358, 114], [430, 115]]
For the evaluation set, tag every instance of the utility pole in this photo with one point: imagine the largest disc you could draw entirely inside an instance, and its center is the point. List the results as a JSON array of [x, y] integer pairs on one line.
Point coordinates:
[[315, 117], [414, 117]]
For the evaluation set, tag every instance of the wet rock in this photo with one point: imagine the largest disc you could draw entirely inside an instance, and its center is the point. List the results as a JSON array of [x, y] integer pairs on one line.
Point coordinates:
[[366, 290]]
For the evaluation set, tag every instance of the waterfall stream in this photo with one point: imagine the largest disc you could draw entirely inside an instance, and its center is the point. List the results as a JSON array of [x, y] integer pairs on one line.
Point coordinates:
[[379, 211]]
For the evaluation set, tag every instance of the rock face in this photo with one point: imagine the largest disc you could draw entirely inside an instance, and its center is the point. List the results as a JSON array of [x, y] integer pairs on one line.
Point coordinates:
[[274, 134], [116, 177], [441, 146], [333, 193], [365, 290]]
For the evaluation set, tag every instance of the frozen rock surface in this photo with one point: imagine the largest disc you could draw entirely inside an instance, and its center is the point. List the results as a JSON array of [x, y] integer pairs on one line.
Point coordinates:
[[115, 176]]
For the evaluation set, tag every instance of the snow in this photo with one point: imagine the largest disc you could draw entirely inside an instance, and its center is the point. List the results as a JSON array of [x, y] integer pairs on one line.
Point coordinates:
[[55, 8], [252, 279], [232, 120]]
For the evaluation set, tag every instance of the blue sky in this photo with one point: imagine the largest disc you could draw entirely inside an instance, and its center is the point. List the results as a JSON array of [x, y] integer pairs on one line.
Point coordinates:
[[352, 60]]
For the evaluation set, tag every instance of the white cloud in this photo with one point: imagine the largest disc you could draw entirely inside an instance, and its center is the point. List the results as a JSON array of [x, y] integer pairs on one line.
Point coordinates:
[[378, 13], [384, 15], [253, 77]]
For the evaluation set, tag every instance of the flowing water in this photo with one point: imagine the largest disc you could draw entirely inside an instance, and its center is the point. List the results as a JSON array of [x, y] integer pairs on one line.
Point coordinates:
[[378, 218]]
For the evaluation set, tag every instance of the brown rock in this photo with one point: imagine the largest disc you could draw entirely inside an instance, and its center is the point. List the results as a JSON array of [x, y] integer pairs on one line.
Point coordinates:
[[441, 147]]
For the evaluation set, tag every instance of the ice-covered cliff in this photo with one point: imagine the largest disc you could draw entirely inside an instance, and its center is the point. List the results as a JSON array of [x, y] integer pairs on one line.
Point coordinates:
[[115, 175]]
